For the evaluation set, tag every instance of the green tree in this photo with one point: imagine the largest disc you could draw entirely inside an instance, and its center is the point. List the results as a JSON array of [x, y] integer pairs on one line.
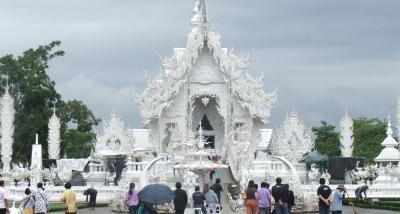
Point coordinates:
[[327, 139], [368, 136], [34, 93], [76, 141]]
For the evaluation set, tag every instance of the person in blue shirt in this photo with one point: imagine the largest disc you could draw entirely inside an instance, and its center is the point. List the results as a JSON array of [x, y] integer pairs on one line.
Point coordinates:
[[337, 200]]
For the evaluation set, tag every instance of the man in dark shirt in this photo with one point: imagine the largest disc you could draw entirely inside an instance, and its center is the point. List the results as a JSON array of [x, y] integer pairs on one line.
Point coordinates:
[[279, 193], [290, 196], [325, 196], [91, 194], [198, 199], [217, 188], [180, 200]]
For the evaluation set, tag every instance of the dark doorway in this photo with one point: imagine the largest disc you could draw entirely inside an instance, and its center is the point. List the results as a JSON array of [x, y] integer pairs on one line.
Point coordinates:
[[205, 124], [209, 138]]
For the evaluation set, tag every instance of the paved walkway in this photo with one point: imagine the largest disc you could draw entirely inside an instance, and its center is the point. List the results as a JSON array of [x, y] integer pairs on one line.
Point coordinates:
[[348, 210]]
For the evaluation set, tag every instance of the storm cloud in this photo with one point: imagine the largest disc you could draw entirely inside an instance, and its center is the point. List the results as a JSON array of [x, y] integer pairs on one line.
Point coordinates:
[[322, 56]]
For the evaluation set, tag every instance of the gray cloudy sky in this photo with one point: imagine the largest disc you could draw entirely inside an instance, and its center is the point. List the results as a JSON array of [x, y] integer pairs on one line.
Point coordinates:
[[321, 56]]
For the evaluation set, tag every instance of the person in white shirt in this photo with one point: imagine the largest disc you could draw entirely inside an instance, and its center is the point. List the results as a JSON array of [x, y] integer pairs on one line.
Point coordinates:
[[3, 199]]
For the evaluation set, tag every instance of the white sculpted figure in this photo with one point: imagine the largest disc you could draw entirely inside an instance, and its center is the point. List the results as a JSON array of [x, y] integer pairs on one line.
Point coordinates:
[[327, 177], [190, 178], [175, 139], [314, 173]]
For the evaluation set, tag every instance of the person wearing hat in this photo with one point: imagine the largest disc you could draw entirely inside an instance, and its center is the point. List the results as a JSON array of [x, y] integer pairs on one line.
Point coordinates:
[[337, 199]]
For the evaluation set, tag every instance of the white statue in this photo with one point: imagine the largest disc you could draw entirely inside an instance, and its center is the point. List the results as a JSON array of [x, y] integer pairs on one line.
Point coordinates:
[[327, 177], [190, 178], [346, 135], [7, 114], [54, 136], [175, 139], [314, 173]]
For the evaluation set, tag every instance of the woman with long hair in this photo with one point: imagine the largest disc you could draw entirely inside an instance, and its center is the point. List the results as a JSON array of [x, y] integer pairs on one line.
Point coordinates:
[[132, 199], [251, 201]]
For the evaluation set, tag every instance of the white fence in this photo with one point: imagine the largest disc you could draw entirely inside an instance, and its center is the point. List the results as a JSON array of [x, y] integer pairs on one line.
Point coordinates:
[[104, 193]]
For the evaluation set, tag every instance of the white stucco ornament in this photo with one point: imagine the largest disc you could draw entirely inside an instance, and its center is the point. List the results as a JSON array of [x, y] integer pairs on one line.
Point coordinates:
[[398, 118], [115, 139], [54, 136], [346, 135], [176, 68], [7, 114], [292, 139]]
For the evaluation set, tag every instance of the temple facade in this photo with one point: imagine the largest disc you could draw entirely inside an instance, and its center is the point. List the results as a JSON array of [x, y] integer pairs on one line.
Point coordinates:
[[204, 83]]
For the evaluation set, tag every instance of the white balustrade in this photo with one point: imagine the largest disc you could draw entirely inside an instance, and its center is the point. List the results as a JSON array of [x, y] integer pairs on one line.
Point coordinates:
[[104, 193]]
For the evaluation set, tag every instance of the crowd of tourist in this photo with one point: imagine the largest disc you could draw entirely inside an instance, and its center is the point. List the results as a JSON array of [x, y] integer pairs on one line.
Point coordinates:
[[278, 199]]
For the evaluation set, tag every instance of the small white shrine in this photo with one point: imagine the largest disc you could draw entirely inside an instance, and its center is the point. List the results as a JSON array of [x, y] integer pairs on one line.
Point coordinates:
[[389, 153]]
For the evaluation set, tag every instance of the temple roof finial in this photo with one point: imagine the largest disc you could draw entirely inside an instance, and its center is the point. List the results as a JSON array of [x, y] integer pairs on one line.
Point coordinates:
[[389, 131], [200, 13]]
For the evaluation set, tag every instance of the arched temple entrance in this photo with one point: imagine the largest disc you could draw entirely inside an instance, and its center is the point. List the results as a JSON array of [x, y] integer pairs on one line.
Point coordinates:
[[205, 109]]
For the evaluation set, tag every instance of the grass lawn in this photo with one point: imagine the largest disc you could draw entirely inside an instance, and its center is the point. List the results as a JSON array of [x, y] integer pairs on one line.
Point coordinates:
[[383, 204]]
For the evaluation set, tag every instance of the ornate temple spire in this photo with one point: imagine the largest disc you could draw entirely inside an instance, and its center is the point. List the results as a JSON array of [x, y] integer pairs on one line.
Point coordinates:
[[389, 152], [7, 114], [200, 14], [389, 131], [398, 118], [346, 135], [54, 136]]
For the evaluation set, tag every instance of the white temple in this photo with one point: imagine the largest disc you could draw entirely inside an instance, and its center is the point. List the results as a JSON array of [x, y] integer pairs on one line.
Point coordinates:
[[203, 111], [346, 135], [7, 114], [204, 82]]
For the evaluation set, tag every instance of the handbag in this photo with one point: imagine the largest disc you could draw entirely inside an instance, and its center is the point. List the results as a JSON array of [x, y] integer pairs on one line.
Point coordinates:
[[22, 207], [244, 195]]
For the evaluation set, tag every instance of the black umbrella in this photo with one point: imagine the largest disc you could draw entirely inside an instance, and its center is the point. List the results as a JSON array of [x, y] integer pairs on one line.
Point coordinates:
[[156, 194]]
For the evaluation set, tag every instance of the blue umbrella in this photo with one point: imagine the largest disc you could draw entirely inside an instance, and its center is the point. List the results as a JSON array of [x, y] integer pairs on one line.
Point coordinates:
[[156, 194]]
